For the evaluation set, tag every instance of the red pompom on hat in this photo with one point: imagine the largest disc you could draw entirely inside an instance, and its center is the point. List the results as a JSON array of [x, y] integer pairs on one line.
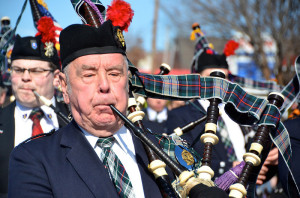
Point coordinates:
[[46, 29], [230, 47], [120, 13]]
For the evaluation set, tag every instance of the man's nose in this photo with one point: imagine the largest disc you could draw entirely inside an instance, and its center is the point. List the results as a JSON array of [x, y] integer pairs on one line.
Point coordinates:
[[104, 84], [26, 75]]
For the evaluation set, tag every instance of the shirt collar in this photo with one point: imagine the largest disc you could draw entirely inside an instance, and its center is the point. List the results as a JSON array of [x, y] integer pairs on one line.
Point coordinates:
[[159, 116], [121, 136], [25, 111]]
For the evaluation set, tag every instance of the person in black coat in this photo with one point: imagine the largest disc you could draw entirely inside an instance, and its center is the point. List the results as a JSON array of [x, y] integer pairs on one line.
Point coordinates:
[[156, 115], [32, 71], [232, 142]]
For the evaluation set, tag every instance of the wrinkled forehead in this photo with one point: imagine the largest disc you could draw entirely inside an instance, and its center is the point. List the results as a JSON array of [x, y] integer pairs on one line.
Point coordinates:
[[95, 61]]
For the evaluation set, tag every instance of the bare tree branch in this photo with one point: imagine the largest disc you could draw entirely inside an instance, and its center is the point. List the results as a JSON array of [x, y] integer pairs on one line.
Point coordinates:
[[251, 17]]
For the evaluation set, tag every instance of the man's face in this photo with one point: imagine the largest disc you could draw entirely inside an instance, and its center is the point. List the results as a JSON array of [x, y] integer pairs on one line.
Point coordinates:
[[156, 104], [206, 72], [95, 82], [23, 84]]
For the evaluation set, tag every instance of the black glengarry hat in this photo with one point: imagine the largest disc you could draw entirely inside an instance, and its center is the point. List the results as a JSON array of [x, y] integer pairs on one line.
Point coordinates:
[[208, 60], [97, 36], [33, 48], [205, 57], [79, 40]]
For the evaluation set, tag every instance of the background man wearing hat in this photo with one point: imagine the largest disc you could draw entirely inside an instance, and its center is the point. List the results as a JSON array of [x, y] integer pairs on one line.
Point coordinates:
[[231, 146], [156, 115], [31, 70]]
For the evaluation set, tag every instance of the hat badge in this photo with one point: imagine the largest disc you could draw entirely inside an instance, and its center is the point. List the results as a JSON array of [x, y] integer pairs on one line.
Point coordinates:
[[49, 49], [33, 44], [121, 37]]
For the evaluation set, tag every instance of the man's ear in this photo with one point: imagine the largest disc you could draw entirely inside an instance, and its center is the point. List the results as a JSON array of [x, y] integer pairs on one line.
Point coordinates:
[[56, 82], [129, 75], [64, 87]]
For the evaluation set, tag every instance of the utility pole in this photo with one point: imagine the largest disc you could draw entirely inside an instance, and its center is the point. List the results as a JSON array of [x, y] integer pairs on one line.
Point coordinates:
[[154, 30]]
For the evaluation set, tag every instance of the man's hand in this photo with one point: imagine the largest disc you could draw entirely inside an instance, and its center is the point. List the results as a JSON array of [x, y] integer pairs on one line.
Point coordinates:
[[271, 160], [235, 163]]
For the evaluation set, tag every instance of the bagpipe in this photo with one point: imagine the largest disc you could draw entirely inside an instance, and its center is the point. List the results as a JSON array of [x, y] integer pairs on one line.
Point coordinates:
[[242, 107], [48, 103], [188, 179]]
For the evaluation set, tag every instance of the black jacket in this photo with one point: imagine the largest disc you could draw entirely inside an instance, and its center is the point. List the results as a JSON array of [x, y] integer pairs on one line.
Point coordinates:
[[7, 136]]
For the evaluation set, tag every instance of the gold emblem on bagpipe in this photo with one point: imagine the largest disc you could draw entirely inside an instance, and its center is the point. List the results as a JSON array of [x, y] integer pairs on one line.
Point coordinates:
[[187, 157], [121, 37]]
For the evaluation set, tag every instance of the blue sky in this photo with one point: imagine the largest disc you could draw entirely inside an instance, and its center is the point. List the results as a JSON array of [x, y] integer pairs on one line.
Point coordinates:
[[65, 15]]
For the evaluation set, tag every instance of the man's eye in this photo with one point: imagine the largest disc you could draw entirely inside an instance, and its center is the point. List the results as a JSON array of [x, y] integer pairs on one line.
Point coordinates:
[[88, 75], [114, 74], [18, 70], [36, 71]]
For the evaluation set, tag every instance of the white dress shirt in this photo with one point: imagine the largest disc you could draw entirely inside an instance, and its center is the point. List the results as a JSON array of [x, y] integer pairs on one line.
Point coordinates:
[[23, 124], [234, 130], [157, 116], [124, 149]]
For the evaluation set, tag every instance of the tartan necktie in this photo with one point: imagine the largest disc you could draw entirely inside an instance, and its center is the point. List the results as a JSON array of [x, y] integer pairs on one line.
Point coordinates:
[[36, 115], [223, 131], [115, 168]]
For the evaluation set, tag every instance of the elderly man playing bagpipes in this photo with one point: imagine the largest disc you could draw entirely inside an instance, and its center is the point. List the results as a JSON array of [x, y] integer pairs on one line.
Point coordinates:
[[102, 153]]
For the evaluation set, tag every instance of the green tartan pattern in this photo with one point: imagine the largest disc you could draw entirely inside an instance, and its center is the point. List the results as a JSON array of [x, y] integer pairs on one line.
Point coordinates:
[[115, 168], [168, 146], [290, 91], [248, 108], [260, 85], [243, 108]]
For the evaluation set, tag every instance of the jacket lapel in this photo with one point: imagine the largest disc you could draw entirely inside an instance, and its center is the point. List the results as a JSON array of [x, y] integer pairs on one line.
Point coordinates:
[[86, 162], [63, 109]]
